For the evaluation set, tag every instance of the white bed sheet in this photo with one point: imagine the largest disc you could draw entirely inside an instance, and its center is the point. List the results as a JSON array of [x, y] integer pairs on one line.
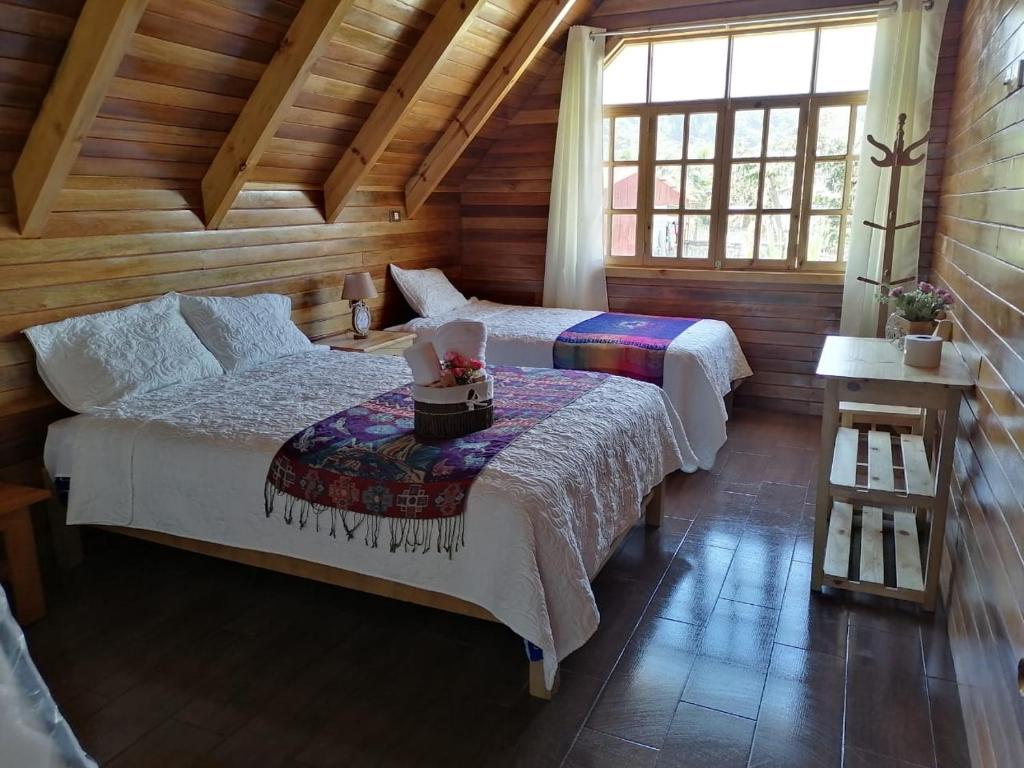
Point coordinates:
[[191, 460], [700, 365]]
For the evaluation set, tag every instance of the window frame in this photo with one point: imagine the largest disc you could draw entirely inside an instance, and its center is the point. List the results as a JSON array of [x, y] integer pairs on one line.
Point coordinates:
[[767, 104], [851, 158], [726, 108]]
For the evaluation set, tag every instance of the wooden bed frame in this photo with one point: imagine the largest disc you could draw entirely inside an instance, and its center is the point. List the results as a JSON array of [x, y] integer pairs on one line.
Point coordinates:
[[66, 544]]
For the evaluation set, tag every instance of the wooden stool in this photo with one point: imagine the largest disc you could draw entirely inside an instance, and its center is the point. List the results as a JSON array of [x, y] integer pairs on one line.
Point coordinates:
[[22, 565]]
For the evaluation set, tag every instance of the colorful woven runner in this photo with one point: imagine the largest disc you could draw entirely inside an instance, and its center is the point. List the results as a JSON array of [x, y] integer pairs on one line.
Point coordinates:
[[364, 465], [625, 345]]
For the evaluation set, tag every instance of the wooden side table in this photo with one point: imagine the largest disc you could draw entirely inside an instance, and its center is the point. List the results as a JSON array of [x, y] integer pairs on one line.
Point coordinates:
[[879, 493], [20, 550], [377, 343]]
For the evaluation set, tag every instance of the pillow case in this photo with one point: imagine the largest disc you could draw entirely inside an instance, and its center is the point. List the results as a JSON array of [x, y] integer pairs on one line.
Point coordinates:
[[243, 333], [428, 291], [93, 360]]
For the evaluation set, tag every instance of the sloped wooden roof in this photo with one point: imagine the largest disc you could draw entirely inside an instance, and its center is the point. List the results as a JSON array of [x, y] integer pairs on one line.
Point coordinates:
[[186, 73]]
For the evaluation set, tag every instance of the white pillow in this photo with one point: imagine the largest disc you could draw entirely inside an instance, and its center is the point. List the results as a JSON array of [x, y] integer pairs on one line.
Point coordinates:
[[92, 360], [243, 333], [428, 291]]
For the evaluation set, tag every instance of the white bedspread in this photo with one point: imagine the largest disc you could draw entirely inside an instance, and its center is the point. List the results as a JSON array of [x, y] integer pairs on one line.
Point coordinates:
[[700, 365], [191, 460]]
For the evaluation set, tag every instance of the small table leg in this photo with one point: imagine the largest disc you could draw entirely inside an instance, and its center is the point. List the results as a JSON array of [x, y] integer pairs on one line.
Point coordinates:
[[20, 545], [943, 477], [829, 428]]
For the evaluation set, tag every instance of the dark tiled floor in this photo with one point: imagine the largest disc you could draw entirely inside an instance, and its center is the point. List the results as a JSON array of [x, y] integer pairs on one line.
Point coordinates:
[[711, 652]]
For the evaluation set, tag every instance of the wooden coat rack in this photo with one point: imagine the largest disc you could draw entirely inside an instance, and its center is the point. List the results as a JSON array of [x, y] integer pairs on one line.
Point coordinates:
[[897, 158]]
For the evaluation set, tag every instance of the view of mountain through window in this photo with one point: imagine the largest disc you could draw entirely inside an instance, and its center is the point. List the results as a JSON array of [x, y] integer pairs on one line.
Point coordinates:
[[735, 151]]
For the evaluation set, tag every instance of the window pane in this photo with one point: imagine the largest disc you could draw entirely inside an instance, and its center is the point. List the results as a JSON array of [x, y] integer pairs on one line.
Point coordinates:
[[844, 58], [670, 137], [829, 178], [673, 61], [667, 184], [853, 184], [778, 185], [743, 185], [696, 236], [823, 239], [625, 77], [623, 234], [665, 236], [783, 125], [624, 186], [703, 127], [606, 138], [846, 238], [772, 63], [627, 138], [739, 239], [773, 242], [746, 137], [604, 191], [833, 130], [699, 186]]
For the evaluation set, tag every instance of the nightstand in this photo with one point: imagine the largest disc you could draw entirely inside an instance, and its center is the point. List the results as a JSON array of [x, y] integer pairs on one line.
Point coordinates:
[[22, 565], [880, 512], [377, 343]]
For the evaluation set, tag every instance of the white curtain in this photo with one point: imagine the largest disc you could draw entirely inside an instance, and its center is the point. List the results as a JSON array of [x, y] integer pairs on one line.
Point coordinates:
[[574, 262], [902, 81]]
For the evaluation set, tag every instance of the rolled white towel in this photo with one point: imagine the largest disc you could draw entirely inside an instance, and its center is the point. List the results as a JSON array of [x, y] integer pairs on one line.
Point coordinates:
[[422, 358], [466, 337]]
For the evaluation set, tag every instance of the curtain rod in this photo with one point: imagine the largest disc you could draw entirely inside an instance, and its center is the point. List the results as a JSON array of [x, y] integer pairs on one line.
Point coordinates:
[[844, 12]]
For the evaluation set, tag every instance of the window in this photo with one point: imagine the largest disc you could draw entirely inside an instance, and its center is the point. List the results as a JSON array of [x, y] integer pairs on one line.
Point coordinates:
[[735, 151]]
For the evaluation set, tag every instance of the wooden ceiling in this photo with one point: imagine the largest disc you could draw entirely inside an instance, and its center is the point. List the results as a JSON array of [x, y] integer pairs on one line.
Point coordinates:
[[156, 141]]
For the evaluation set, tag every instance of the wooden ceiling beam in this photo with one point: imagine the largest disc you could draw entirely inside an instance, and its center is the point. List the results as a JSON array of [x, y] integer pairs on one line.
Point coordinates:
[[263, 113], [100, 37], [397, 101], [486, 97]]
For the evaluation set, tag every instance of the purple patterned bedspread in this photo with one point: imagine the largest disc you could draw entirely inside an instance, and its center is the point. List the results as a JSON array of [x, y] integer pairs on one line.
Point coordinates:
[[625, 345], [365, 465]]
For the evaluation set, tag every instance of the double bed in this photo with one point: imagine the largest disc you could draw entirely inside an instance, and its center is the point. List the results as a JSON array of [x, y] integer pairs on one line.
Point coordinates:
[[702, 364], [186, 465]]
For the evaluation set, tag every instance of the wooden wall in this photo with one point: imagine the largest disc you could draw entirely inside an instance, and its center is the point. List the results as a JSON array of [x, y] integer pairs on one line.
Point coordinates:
[[979, 255], [127, 225], [781, 327]]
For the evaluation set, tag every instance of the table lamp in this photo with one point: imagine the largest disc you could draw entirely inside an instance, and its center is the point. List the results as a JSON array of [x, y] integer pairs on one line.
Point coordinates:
[[359, 286]]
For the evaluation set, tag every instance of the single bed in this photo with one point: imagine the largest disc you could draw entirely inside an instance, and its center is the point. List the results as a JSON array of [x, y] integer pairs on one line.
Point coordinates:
[[701, 365], [186, 464]]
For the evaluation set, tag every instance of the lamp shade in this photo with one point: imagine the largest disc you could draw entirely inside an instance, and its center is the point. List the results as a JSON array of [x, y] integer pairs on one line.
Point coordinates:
[[358, 285]]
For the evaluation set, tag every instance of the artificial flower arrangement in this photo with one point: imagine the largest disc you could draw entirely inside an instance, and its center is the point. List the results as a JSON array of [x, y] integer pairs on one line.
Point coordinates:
[[458, 370], [922, 304], [459, 400]]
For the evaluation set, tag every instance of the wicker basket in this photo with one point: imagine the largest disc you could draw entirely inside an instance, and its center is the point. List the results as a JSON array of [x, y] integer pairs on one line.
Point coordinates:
[[446, 412]]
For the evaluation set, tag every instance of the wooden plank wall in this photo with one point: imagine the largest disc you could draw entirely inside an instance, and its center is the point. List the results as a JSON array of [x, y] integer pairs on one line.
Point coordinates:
[[127, 225], [505, 210], [979, 255]]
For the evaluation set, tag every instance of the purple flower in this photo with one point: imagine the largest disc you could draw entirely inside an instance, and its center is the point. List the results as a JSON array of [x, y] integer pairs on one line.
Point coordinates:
[[925, 287], [896, 292]]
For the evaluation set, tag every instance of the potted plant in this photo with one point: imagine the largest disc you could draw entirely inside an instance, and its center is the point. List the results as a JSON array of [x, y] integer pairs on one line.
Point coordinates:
[[918, 310]]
